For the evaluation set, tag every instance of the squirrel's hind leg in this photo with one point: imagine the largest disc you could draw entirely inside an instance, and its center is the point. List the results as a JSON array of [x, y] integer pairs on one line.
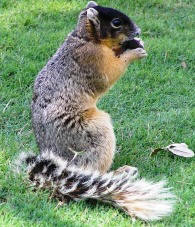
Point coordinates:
[[98, 142]]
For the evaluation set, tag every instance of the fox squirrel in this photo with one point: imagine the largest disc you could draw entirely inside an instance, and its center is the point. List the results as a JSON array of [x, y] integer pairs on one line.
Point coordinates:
[[75, 138]]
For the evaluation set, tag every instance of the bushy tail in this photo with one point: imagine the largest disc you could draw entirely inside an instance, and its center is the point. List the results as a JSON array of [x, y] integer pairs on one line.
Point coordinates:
[[139, 198]]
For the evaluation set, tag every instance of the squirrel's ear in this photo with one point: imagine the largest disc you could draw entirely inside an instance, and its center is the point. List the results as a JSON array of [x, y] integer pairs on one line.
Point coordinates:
[[91, 4], [92, 15]]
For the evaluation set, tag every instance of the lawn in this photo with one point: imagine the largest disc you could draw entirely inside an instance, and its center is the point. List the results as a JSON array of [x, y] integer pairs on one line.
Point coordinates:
[[151, 106]]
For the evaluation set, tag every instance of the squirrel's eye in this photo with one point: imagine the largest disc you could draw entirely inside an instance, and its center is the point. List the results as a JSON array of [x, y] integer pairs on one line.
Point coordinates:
[[116, 23]]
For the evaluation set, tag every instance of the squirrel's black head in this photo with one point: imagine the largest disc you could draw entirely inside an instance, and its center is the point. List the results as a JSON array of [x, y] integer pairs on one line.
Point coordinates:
[[108, 26]]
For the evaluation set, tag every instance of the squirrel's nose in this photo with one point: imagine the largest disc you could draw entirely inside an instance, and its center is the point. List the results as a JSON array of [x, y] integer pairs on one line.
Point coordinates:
[[137, 32]]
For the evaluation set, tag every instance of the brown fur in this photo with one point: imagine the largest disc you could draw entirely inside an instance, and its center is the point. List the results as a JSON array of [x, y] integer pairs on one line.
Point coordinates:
[[76, 140], [111, 66], [114, 43], [64, 112]]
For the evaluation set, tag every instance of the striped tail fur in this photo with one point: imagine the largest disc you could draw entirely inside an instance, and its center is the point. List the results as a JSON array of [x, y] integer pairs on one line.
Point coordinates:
[[137, 197]]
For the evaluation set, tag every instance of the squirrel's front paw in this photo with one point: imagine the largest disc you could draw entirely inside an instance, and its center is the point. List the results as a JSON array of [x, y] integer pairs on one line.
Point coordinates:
[[131, 55], [138, 53]]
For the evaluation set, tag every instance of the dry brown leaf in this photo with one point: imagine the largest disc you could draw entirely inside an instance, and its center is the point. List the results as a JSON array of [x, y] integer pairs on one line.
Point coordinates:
[[155, 151], [179, 149]]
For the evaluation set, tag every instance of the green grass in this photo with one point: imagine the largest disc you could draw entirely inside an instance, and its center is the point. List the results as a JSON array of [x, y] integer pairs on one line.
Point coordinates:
[[151, 106]]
